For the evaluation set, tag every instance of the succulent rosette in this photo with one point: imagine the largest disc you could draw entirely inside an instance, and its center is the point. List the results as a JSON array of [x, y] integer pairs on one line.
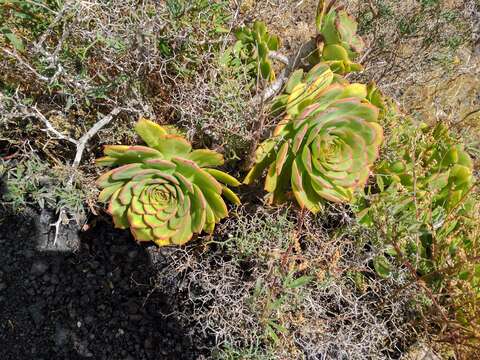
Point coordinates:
[[326, 151], [164, 192], [338, 43]]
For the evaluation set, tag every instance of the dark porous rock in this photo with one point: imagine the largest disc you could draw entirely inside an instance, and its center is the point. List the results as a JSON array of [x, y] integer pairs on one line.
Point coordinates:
[[61, 336], [36, 312], [39, 268], [96, 302]]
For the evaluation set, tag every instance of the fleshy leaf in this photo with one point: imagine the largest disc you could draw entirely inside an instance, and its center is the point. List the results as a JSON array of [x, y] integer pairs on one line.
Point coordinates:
[[150, 132]]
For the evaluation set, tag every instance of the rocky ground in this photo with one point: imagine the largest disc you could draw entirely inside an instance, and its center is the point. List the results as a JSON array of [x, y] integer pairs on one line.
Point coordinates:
[[89, 297]]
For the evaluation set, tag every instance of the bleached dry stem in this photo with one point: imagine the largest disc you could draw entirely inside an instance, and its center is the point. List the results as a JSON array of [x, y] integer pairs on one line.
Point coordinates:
[[80, 148], [82, 142]]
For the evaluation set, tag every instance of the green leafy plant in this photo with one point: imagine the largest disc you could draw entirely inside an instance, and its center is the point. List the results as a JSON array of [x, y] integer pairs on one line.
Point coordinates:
[[30, 182], [337, 42], [326, 144], [273, 301], [253, 45], [426, 212], [164, 192]]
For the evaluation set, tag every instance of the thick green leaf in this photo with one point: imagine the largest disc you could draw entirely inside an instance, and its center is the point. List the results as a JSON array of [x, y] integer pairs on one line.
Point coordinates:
[[185, 233], [223, 177], [335, 53], [173, 145], [260, 28], [106, 161], [230, 195], [115, 150], [273, 42], [108, 191], [294, 79], [271, 179], [304, 197], [266, 70], [150, 132], [199, 176], [198, 210], [321, 10], [216, 203], [265, 154], [206, 157]]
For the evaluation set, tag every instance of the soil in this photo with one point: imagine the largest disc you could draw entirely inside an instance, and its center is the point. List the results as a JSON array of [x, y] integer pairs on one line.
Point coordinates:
[[88, 296]]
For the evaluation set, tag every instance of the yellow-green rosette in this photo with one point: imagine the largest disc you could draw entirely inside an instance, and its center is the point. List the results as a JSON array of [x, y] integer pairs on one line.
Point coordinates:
[[164, 192]]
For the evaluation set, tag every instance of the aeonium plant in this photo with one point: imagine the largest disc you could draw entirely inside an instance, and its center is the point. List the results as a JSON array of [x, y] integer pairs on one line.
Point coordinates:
[[164, 192], [325, 146], [338, 44]]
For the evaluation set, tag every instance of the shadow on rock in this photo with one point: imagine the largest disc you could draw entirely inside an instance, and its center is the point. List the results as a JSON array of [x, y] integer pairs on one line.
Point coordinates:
[[88, 296]]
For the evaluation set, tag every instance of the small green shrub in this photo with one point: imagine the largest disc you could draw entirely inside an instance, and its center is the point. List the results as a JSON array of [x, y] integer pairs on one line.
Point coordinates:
[[253, 47], [31, 182], [164, 192], [426, 212]]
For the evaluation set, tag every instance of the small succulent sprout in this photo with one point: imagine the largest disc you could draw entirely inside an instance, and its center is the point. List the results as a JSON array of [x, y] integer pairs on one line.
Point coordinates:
[[301, 89], [326, 151], [451, 176], [258, 43], [338, 43], [319, 86], [164, 192]]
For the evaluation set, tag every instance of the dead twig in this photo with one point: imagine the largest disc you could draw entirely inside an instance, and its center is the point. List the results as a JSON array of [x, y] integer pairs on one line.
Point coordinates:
[[80, 148], [50, 128], [82, 142], [17, 57]]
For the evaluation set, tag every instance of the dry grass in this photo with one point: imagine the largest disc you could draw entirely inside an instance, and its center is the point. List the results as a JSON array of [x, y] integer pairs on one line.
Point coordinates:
[[236, 295]]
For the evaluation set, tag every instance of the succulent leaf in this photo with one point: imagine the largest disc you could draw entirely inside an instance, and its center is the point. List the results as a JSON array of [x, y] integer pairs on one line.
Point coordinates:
[[150, 132]]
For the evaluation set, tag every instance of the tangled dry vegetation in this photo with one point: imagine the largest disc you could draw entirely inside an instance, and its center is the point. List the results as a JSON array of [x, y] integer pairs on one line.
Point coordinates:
[[279, 285], [271, 283]]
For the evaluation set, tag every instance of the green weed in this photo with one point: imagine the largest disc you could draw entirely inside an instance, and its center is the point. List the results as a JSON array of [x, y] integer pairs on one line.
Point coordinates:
[[31, 182]]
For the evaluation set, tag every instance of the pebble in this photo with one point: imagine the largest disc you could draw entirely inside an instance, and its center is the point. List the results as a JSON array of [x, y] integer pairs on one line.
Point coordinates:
[[39, 267], [36, 312]]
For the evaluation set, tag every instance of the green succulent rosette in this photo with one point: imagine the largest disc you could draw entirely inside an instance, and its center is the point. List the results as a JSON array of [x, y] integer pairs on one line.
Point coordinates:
[[338, 43], [325, 146], [256, 43], [164, 192]]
